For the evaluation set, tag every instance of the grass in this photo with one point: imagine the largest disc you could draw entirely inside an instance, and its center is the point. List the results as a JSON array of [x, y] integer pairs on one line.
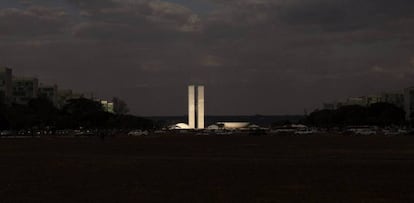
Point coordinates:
[[208, 169]]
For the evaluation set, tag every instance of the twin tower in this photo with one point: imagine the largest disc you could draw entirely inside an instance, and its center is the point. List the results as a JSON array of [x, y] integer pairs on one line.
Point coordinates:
[[196, 107]]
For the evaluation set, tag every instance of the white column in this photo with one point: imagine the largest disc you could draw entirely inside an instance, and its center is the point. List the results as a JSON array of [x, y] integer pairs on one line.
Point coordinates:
[[191, 106], [200, 107]]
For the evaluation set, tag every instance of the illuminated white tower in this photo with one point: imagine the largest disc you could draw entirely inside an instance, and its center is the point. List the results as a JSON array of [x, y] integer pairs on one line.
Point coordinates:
[[200, 107], [191, 106], [196, 108]]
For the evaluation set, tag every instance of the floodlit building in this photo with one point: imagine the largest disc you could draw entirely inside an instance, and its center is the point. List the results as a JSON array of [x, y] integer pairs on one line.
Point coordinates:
[[179, 126], [191, 106], [25, 89], [6, 84], [107, 106], [50, 92], [196, 107], [200, 107], [233, 125]]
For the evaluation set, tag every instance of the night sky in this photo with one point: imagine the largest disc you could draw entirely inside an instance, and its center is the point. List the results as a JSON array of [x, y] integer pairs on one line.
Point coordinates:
[[253, 56]]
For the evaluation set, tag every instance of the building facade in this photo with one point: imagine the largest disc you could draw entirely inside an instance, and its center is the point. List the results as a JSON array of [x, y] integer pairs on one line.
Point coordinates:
[[200, 107], [393, 98], [25, 89], [6, 85], [50, 92], [191, 106], [107, 106], [409, 103], [196, 107]]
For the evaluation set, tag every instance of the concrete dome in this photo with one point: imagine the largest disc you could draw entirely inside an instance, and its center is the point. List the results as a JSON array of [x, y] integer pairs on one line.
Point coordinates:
[[234, 125], [180, 126], [213, 127]]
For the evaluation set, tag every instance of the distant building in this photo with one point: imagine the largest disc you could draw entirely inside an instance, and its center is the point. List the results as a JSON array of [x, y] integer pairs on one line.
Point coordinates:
[[402, 100], [50, 92], [372, 99], [6, 85], [25, 89], [393, 98], [360, 101], [409, 102], [107, 106], [233, 125], [331, 106], [63, 96], [196, 106]]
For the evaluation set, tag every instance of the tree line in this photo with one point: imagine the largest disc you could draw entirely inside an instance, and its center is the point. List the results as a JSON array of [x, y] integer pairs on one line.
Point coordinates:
[[41, 113], [379, 114]]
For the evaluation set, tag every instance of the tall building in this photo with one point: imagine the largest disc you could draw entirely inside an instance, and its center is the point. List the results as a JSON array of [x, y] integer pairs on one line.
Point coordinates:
[[6, 85], [200, 107], [50, 92], [393, 98], [191, 106], [24, 89], [409, 102], [196, 108]]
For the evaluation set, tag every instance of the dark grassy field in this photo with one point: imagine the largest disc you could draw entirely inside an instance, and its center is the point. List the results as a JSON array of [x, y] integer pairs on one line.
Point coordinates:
[[208, 169]]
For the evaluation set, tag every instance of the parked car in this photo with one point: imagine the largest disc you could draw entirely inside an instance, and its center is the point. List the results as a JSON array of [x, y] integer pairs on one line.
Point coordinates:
[[6, 133], [394, 132], [305, 131], [138, 133], [362, 130]]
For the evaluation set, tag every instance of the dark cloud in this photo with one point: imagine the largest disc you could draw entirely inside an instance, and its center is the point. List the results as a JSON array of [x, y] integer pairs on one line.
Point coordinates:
[[33, 21], [347, 15], [255, 56]]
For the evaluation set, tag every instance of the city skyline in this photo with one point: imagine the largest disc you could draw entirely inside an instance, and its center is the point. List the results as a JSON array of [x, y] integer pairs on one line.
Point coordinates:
[[22, 90], [271, 56]]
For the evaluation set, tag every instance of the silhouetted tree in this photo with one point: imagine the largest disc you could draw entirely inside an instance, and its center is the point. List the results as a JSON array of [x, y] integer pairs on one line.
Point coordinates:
[[351, 115], [82, 106], [82, 112], [120, 107], [19, 116], [42, 112], [323, 118], [381, 114], [385, 114], [4, 122], [281, 123]]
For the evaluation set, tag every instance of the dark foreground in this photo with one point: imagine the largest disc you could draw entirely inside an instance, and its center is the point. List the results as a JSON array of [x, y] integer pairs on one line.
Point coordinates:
[[208, 169]]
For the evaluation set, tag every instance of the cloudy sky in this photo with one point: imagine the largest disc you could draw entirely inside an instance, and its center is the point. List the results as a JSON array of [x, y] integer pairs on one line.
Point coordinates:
[[254, 56]]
